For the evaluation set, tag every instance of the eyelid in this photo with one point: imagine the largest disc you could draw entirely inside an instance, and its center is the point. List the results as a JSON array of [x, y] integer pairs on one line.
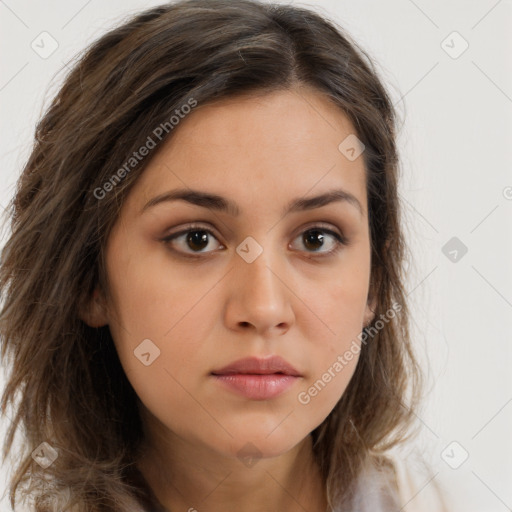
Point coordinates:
[[324, 226], [193, 226]]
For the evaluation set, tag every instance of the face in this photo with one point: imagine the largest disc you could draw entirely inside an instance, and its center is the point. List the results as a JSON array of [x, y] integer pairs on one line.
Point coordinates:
[[258, 271]]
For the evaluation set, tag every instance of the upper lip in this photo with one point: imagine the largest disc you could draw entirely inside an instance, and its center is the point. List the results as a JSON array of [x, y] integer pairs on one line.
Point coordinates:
[[258, 366]]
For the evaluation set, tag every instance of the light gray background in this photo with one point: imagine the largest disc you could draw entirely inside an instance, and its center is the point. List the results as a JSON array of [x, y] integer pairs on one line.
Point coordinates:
[[457, 182]]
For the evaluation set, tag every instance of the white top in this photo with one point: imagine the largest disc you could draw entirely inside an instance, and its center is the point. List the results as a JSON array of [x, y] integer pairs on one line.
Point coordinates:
[[418, 491]]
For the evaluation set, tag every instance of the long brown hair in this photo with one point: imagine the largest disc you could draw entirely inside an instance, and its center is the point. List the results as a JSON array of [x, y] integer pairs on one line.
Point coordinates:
[[66, 385]]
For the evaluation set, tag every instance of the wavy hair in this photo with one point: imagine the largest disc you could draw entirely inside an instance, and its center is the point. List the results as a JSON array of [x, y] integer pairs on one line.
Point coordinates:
[[65, 385]]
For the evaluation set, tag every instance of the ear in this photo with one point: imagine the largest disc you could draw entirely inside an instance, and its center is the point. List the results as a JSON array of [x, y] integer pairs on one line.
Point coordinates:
[[369, 313], [371, 305], [94, 313]]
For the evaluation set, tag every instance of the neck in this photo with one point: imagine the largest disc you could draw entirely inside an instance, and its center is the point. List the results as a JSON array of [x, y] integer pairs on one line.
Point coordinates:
[[193, 478]]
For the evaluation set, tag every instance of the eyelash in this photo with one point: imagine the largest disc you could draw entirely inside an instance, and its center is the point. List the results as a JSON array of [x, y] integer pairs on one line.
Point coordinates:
[[340, 240]]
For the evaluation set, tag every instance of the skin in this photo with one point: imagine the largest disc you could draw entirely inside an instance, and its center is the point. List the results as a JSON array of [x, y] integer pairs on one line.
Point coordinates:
[[260, 151]]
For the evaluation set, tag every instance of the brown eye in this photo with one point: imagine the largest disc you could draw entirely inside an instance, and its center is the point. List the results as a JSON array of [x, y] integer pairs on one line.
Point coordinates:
[[197, 240], [191, 241], [315, 240]]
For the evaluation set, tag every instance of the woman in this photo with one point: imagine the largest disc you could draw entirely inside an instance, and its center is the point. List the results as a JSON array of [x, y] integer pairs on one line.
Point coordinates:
[[204, 304]]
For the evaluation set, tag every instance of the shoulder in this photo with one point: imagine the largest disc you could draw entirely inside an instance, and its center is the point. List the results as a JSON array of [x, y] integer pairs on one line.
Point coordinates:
[[394, 482], [418, 485]]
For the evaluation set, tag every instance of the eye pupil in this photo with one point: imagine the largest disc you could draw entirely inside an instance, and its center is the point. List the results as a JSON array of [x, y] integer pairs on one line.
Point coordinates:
[[313, 236], [197, 237]]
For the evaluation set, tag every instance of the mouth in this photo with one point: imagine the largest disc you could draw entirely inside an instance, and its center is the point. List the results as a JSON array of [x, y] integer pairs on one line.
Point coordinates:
[[257, 379]]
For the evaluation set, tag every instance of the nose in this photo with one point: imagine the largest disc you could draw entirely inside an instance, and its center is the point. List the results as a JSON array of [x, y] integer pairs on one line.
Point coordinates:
[[259, 296]]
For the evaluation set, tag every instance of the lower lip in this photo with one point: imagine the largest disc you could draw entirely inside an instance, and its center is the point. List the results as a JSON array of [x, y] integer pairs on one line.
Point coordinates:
[[257, 387]]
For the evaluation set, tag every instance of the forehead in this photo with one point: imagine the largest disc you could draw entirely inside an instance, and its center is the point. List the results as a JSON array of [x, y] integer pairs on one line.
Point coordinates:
[[275, 146]]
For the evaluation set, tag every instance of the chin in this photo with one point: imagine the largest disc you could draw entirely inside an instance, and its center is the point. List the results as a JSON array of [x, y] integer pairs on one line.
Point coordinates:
[[254, 443]]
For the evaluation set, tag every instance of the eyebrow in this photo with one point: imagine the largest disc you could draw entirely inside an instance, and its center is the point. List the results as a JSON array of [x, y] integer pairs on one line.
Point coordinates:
[[222, 204]]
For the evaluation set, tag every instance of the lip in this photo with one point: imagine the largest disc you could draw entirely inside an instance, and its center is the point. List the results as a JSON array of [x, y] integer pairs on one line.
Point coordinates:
[[258, 366], [257, 379]]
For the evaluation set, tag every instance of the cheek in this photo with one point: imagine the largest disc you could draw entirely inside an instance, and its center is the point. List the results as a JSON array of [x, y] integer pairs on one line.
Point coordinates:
[[161, 324], [334, 308], [152, 297], [163, 316], [163, 355], [332, 320], [333, 364]]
